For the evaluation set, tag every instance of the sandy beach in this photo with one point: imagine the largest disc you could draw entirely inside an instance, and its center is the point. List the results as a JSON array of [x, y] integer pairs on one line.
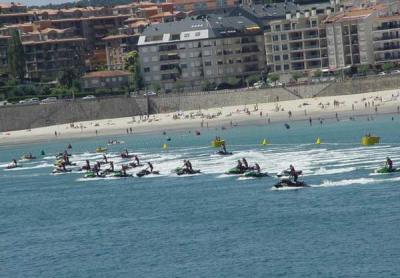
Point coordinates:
[[344, 106]]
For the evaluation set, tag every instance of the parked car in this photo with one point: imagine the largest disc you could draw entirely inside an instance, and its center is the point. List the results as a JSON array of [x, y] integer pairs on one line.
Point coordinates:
[[150, 93], [382, 73], [395, 72], [4, 103], [49, 100], [259, 85], [34, 101], [89, 97]]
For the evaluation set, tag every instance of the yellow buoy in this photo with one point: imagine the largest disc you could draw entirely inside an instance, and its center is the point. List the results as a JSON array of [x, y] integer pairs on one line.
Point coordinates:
[[264, 142], [165, 147], [318, 142], [217, 143], [369, 140]]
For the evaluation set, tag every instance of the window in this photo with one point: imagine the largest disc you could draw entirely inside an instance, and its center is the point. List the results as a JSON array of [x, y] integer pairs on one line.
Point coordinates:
[[283, 37], [277, 27], [275, 38], [285, 57], [187, 35], [183, 66], [284, 47], [286, 67], [277, 58], [207, 63], [197, 34], [276, 47], [277, 68], [146, 69]]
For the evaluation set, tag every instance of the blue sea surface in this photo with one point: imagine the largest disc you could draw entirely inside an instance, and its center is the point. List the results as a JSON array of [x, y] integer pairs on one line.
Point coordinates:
[[208, 225]]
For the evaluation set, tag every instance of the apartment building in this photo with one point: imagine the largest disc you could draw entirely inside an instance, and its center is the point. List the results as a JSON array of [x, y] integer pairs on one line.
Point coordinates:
[[349, 37], [117, 46], [197, 51], [297, 43], [13, 13], [386, 39], [50, 51], [193, 5], [3, 53]]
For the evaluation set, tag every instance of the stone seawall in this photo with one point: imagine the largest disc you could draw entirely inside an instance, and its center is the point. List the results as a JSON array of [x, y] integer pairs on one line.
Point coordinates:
[[31, 116], [362, 85]]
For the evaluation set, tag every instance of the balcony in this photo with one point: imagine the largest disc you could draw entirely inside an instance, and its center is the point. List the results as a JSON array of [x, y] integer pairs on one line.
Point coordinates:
[[163, 48], [250, 49], [248, 40], [385, 38], [391, 47], [297, 58], [169, 57], [311, 46]]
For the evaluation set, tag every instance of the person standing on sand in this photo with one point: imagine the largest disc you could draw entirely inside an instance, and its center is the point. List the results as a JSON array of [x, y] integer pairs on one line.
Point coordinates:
[[96, 132], [55, 133], [310, 120]]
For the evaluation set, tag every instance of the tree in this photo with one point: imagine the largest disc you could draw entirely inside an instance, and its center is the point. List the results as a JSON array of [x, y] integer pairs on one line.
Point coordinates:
[[16, 56], [318, 73], [363, 69], [296, 75], [250, 80], [137, 78], [179, 85], [67, 78], [132, 64], [388, 66], [233, 81], [274, 77], [156, 87]]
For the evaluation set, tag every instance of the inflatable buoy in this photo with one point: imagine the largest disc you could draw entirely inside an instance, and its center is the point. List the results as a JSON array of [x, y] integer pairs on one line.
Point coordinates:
[[165, 147], [318, 142], [264, 142]]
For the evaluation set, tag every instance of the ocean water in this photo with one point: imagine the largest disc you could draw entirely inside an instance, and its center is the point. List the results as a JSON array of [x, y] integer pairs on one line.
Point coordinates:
[[209, 225]]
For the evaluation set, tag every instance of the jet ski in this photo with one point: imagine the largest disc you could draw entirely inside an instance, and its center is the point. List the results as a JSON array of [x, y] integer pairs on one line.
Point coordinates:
[[61, 171], [13, 166], [289, 183], [145, 172], [124, 155], [134, 165], [182, 171], [236, 171], [255, 174], [59, 162], [120, 174], [223, 153], [28, 157], [92, 174], [386, 170]]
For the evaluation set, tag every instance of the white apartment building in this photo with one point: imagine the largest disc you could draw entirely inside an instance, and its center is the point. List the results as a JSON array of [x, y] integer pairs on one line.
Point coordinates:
[[193, 52], [349, 37], [386, 39], [297, 43]]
